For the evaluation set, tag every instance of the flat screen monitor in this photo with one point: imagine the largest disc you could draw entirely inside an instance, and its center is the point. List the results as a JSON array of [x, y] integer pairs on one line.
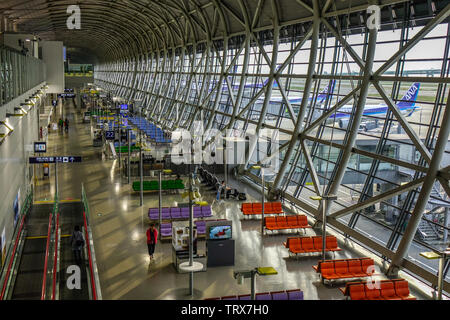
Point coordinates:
[[220, 232]]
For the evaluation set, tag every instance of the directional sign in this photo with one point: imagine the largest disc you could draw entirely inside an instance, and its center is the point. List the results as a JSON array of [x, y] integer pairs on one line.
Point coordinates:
[[110, 135], [59, 159], [40, 147]]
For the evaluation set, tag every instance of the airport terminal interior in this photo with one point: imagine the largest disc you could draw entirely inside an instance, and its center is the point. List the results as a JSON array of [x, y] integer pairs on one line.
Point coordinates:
[[225, 150]]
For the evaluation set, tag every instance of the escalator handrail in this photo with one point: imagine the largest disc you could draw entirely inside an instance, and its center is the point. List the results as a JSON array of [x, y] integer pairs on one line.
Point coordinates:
[[44, 278], [12, 258], [94, 293], [56, 258]]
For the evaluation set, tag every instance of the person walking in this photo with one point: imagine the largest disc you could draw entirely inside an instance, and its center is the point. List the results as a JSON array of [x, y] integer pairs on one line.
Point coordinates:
[[152, 239], [77, 242], [66, 125], [60, 124]]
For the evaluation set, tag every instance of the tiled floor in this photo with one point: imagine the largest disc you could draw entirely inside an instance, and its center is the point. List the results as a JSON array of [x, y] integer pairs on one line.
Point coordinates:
[[119, 225]]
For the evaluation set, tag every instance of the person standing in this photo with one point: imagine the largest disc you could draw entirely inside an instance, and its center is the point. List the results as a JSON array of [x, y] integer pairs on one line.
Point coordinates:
[[77, 241], [152, 239], [61, 124]]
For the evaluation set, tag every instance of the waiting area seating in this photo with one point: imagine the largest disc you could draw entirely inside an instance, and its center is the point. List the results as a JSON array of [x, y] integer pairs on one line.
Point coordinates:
[[175, 213], [345, 268], [256, 208], [396, 289], [286, 222], [154, 185], [166, 228], [295, 294], [212, 181], [151, 130], [311, 244]]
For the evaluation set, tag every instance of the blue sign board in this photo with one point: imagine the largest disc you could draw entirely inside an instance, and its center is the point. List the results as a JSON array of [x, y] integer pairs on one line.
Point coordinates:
[[63, 159], [110, 135]]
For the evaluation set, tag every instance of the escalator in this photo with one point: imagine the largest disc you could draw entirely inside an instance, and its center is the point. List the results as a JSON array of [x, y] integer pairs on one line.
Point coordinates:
[[70, 215], [28, 281]]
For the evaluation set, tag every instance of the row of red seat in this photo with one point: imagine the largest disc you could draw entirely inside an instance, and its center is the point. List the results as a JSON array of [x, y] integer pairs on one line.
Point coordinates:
[[345, 268], [396, 289], [311, 244], [256, 208], [286, 222]]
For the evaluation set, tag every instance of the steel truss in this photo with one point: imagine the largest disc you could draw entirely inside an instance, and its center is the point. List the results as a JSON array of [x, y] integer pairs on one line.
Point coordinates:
[[180, 84]]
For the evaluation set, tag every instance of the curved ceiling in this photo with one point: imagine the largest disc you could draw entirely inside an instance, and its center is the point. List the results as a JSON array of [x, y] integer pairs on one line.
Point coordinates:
[[115, 28]]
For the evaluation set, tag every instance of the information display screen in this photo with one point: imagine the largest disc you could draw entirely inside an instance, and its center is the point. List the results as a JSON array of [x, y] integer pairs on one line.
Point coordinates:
[[220, 232]]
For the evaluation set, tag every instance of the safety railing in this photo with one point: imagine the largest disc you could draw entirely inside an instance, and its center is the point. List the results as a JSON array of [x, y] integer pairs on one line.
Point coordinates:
[[12, 251], [56, 258], [44, 276], [8, 271], [93, 273]]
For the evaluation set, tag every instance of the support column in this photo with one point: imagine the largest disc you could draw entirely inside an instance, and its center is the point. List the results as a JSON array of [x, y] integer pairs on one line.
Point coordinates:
[[424, 194], [347, 152], [268, 94], [306, 93]]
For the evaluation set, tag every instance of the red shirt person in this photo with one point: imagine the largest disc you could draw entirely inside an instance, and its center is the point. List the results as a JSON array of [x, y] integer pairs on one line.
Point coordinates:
[[152, 239]]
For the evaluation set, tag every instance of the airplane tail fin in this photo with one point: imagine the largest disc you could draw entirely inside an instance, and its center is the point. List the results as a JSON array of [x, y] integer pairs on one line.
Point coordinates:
[[410, 97]]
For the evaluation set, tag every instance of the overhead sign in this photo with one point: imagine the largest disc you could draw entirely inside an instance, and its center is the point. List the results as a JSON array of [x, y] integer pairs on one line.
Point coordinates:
[[40, 147], [63, 159], [110, 135]]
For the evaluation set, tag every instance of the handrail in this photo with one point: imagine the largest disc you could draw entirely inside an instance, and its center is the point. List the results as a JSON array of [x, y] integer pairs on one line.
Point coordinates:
[[12, 258], [94, 293], [56, 258], [44, 278]]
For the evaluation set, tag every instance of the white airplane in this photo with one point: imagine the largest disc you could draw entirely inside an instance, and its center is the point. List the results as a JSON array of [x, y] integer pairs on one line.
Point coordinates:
[[407, 106]]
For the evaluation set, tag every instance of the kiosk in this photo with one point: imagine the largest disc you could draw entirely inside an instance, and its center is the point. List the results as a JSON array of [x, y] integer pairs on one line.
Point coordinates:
[[180, 246], [219, 243]]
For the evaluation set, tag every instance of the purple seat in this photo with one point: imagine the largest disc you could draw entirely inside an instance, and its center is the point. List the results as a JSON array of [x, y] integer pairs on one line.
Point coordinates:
[[175, 213], [185, 212], [279, 295], [263, 296], [197, 214], [206, 211], [153, 213], [245, 297], [295, 295], [165, 214], [166, 229], [165, 209], [201, 230]]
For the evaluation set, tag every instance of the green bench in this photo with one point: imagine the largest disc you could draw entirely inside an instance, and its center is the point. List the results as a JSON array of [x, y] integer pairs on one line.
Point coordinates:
[[154, 185], [124, 149]]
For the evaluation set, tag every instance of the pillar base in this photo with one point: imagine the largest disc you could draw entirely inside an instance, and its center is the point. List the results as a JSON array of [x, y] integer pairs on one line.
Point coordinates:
[[274, 194], [392, 271]]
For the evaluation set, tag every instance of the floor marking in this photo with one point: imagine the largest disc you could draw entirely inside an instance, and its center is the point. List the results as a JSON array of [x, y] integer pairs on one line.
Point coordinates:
[[44, 201]]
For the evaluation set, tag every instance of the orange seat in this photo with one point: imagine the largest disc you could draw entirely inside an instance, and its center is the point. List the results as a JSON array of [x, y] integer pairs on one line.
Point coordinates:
[[357, 292], [277, 208], [388, 291], [402, 289], [270, 223], [354, 268], [292, 221], [367, 265], [331, 243], [327, 270], [282, 223], [307, 244], [372, 293], [341, 268], [302, 221], [295, 245], [317, 243]]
